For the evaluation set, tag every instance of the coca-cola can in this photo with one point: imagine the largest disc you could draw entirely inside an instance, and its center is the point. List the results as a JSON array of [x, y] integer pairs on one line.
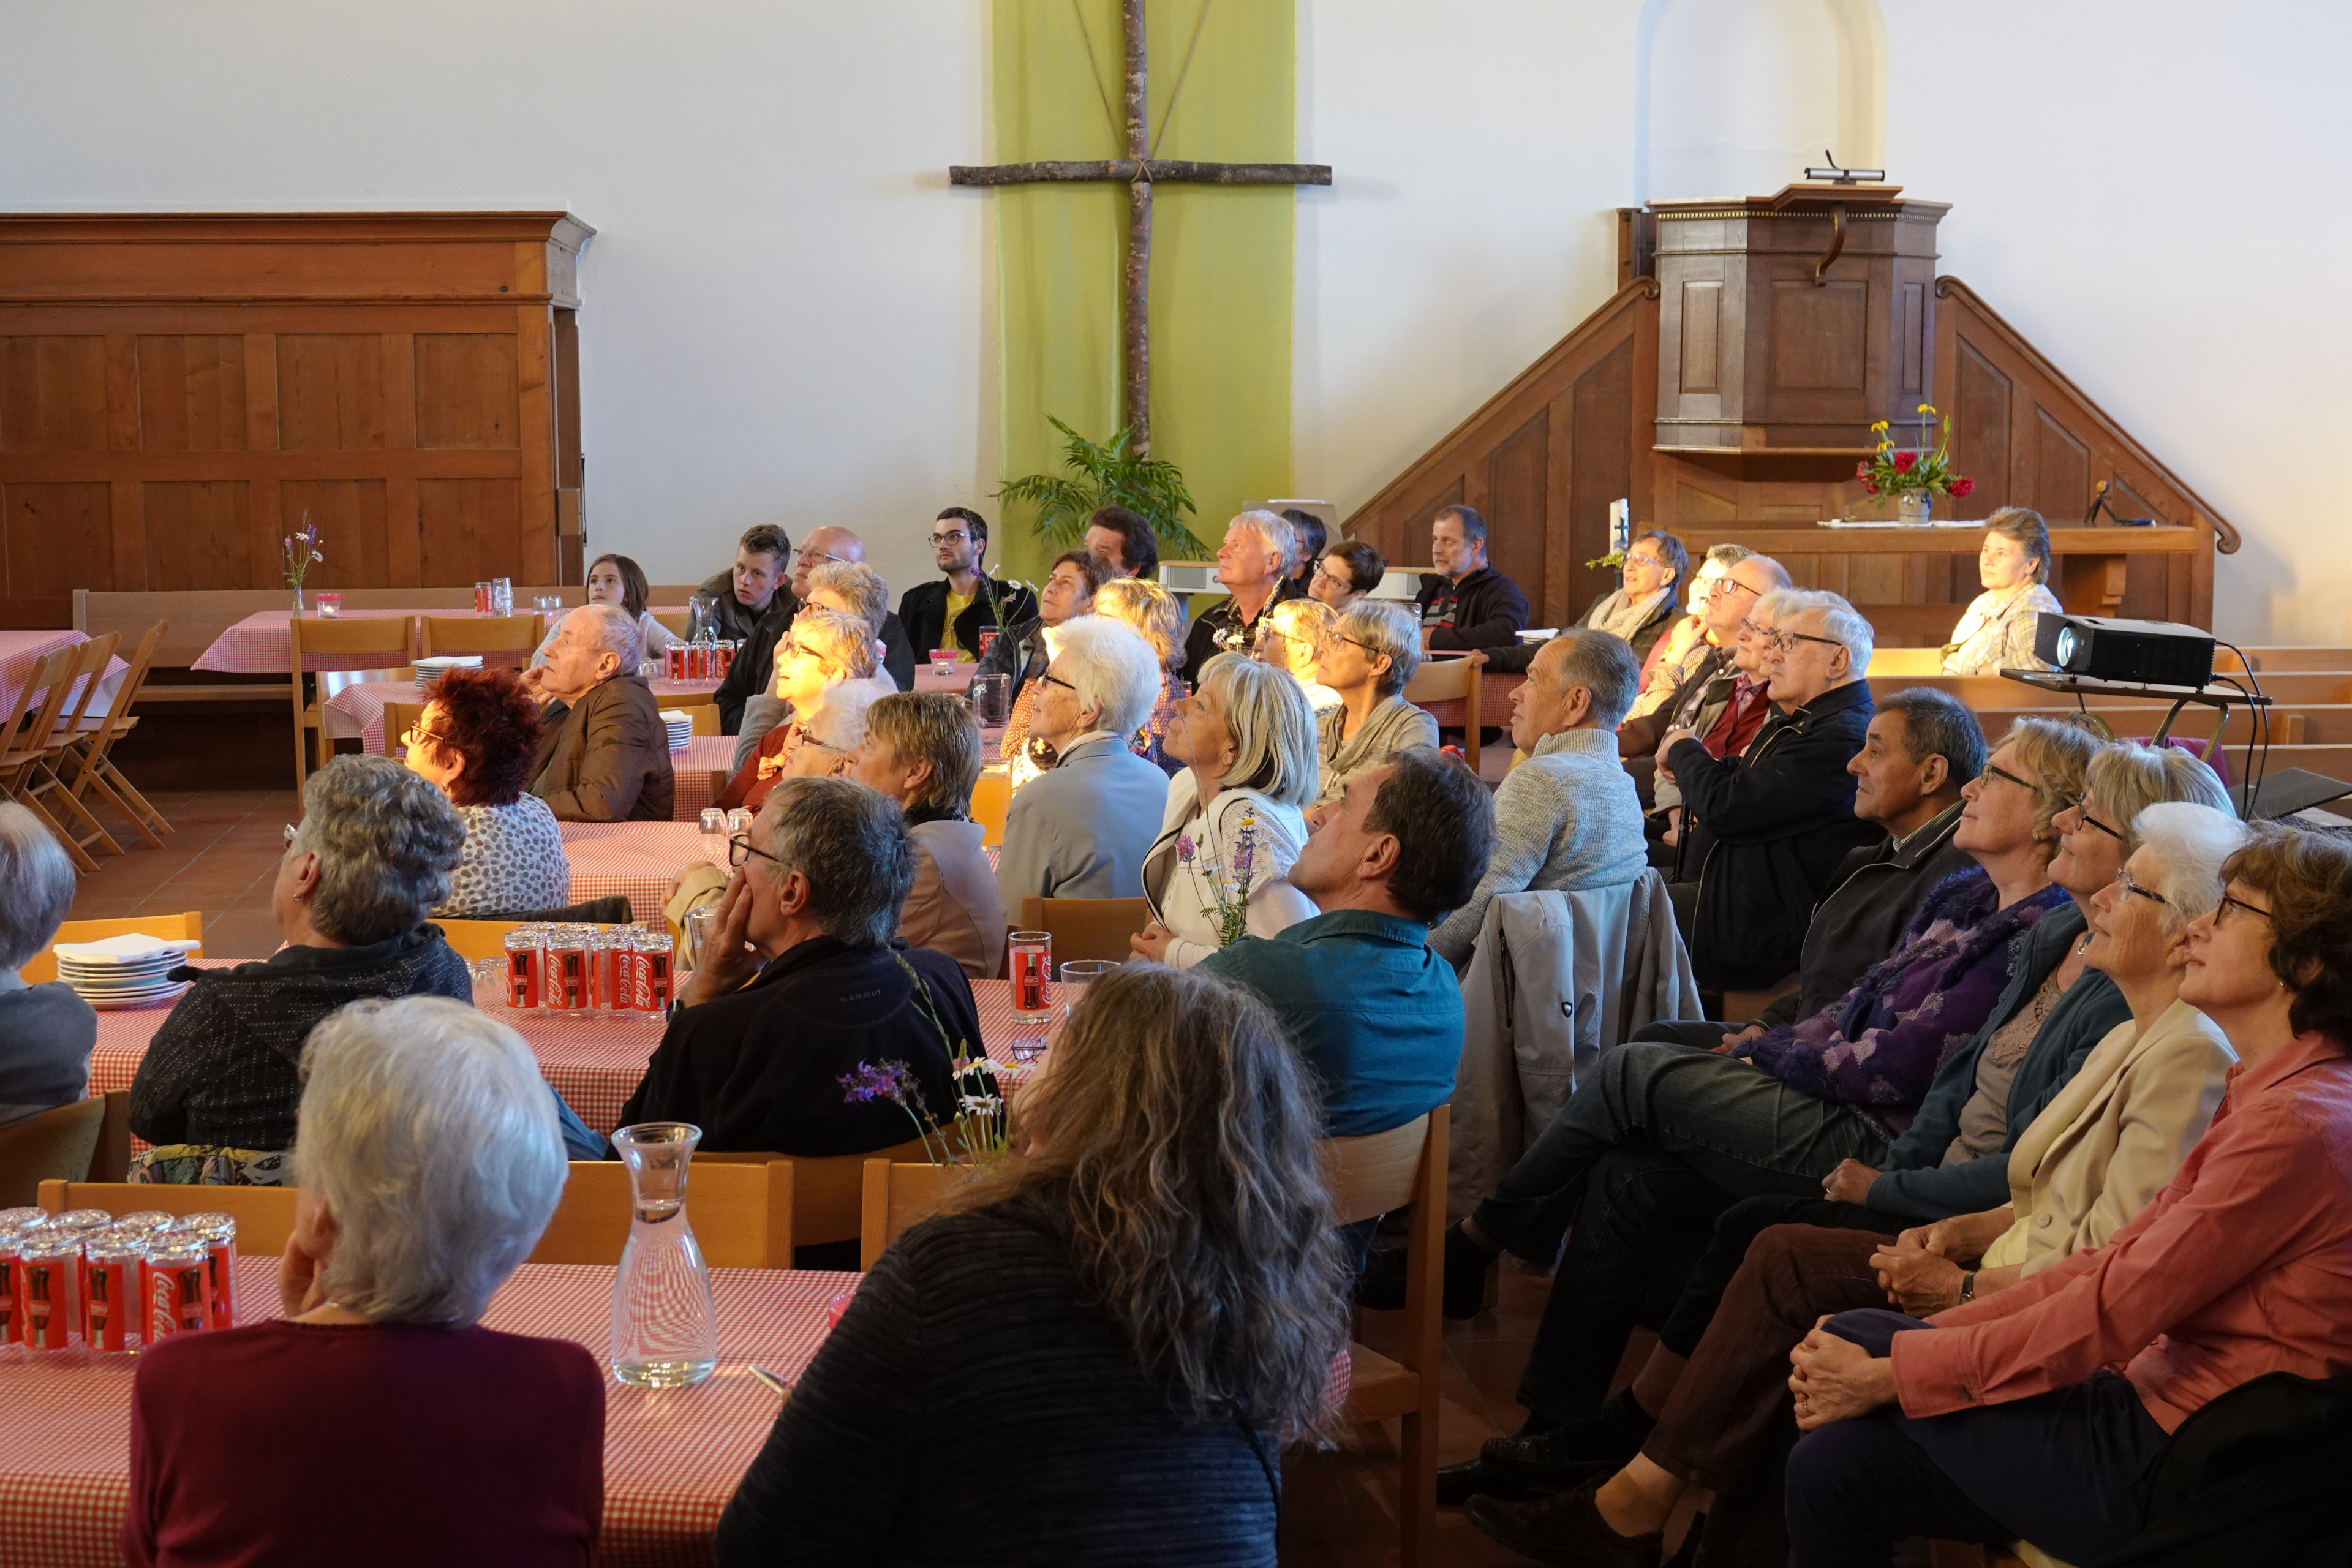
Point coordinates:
[[46, 1273], [80, 1220], [628, 973], [523, 960], [721, 657], [110, 1290], [18, 1219], [219, 1231], [674, 661], [653, 961], [141, 1221], [12, 1245], [567, 972], [174, 1285]]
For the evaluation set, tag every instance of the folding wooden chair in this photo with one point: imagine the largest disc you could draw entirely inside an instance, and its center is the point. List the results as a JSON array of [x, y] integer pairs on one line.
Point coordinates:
[[57, 1145], [677, 621], [51, 779], [43, 966], [1446, 688], [488, 636], [704, 716], [1374, 1175], [828, 1190], [264, 1216], [25, 763], [898, 1195], [1087, 927], [89, 753], [741, 1214], [378, 642]]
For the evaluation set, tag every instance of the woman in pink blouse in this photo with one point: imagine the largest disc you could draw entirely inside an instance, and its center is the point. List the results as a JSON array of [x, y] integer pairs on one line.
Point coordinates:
[[2004, 1421]]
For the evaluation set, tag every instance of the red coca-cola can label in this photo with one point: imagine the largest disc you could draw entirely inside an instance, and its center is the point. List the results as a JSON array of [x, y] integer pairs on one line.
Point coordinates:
[[656, 961], [522, 976], [44, 1289], [110, 1297], [178, 1296], [8, 1293], [674, 661], [721, 659], [629, 967], [987, 640], [220, 1280], [567, 977], [1029, 980]]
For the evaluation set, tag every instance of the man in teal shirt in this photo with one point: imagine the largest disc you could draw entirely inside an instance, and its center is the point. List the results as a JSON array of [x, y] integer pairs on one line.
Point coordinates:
[[1374, 1011]]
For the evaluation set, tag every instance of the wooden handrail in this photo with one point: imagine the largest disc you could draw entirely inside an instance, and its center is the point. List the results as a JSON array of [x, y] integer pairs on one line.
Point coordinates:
[[2226, 536]]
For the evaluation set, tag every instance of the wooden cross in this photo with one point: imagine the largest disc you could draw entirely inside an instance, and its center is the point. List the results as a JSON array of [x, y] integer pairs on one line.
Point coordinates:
[[1139, 171]]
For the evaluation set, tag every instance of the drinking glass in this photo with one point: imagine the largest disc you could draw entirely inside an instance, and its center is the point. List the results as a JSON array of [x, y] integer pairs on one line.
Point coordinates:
[[502, 595], [714, 820], [1031, 969], [991, 700], [547, 603], [665, 1324], [942, 660], [1086, 970], [700, 923], [331, 605]]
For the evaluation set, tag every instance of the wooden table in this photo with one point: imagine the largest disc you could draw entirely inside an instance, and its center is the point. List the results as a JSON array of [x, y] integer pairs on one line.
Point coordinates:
[[672, 1456]]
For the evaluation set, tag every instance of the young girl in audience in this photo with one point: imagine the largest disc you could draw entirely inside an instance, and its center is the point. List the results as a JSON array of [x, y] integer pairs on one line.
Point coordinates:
[[1098, 1355]]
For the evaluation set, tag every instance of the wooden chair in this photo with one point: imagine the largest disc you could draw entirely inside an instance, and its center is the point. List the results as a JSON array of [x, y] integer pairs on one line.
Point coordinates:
[[828, 1190], [27, 773], [380, 642], [264, 1216], [90, 752], [112, 1163], [1446, 688], [442, 635], [741, 1214], [704, 716], [1375, 1175], [991, 799], [473, 939], [55, 1146], [1087, 927], [898, 1195], [43, 966], [677, 621], [50, 780]]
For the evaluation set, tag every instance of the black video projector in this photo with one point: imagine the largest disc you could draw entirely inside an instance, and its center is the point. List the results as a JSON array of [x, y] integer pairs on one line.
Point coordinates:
[[2153, 653]]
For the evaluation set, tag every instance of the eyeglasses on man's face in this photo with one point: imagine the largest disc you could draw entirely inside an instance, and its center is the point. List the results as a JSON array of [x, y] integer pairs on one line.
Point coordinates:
[[958, 537], [1339, 584], [1730, 585], [811, 557], [1784, 642], [740, 849]]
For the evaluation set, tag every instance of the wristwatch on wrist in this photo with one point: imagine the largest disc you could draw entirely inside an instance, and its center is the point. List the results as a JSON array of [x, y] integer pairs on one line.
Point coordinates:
[[1967, 1287]]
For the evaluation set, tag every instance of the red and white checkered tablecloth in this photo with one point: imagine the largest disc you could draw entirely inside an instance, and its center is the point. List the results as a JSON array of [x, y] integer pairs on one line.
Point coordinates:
[[672, 1456], [21, 652], [693, 771], [358, 709], [262, 644], [637, 861]]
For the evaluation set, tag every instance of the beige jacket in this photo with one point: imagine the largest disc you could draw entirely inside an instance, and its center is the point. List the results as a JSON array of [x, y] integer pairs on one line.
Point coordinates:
[[2113, 1137], [953, 906]]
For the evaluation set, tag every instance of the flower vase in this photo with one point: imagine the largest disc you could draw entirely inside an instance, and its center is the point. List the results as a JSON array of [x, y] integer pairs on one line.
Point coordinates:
[[665, 1324], [1912, 507], [299, 608]]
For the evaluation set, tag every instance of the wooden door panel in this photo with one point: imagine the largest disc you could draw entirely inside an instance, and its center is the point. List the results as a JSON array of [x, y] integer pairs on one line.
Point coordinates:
[[192, 393], [329, 391], [466, 390], [2061, 470], [53, 394], [350, 515], [468, 530], [198, 536]]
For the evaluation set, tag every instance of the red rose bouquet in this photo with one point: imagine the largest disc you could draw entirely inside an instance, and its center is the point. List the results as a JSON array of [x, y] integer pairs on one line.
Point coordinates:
[[1889, 472]]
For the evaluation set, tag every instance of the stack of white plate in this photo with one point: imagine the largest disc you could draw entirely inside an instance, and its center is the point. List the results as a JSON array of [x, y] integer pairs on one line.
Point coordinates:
[[130, 971], [680, 727], [429, 670]]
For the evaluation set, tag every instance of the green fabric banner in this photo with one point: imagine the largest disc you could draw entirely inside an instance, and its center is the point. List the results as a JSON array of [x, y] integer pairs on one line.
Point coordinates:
[[1221, 256]]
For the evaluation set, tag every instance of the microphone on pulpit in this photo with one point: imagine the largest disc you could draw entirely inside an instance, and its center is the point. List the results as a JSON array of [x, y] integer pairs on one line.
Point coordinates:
[[2099, 503]]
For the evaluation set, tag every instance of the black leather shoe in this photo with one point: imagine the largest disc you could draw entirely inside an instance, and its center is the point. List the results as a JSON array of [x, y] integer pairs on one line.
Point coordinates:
[[1382, 1285], [1457, 1484], [1563, 1529], [1566, 1455]]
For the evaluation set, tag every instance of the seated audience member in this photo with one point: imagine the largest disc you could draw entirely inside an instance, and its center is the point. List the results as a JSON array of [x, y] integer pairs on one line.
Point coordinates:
[[618, 581], [218, 1089], [799, 985], [1677, 653], [826, 653], [1307, 537], [47, 1031], [1921, 747], [1737, 721], [848, 588], [1345, 573], [431, 1162], [1371, 652], [1158, 616], [603, 754], [1069, 594], [1253, 565], [1124, 542], [1643, 606], [1706, 691], [1952, 1160], [474, 743], [754, 669], [1777, 1114], [1292, 639], [1376, 1014], [1768, 826], [752, 596], [1144, 1313], [1567, 817], [1467, 603], [921, 751], [1079, 830], [1232, 823], [2240, 1266], [1995, 631], [965, 601], [2101, 1151]]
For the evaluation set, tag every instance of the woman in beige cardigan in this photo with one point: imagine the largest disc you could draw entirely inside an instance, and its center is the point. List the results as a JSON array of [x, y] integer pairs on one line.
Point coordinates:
[[1371, 652], [2113, 1137]]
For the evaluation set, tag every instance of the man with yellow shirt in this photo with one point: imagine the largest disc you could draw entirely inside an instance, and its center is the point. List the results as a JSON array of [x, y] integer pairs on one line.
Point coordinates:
[[954, 611]]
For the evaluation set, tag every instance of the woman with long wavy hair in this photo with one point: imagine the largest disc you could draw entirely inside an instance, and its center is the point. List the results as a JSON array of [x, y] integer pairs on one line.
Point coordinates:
[[1133, 1313]]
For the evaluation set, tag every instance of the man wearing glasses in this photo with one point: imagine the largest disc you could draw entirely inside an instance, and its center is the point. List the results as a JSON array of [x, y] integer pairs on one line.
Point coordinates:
[[965, 603], [754, 669], [1708, 690]]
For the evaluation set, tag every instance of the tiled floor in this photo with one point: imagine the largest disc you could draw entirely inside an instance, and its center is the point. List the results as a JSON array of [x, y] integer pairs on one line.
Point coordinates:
[[219, 859]]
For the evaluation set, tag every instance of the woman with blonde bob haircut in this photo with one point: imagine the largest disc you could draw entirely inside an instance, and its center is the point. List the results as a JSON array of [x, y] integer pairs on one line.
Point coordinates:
[[431, 1163], [1234, 821], [1154, 612], [1143, 1302], [823, 653], [1371, 654]]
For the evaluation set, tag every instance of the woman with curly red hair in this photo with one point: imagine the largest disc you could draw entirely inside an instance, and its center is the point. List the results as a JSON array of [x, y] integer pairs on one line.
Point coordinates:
[[476, 740]]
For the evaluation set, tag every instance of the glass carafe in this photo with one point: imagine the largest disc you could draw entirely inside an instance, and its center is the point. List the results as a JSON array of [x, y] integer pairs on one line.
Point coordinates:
[[664, 1328], [702, 618]]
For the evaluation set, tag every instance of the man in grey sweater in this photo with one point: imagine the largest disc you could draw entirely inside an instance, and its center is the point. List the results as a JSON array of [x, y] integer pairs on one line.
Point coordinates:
[[1567, 817]]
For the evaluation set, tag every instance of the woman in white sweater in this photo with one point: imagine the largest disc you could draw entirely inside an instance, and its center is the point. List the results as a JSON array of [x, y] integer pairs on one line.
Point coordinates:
[[1234, 820]]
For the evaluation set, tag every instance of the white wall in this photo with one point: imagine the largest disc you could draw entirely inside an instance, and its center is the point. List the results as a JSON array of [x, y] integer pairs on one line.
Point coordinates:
[[782, 314]]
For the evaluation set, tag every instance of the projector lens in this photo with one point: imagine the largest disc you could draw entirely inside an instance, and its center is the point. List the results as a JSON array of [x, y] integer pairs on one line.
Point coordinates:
[[2067, 643]]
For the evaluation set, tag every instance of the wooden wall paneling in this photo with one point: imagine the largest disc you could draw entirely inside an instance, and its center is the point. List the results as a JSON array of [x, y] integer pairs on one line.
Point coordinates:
[[330, 391], [1610, 420], [53, 394], [465, 391], [261, 392], [1518, 482], [126, 552], [402, 554], [571, 463], [468, 530], [201, 533], [535, 427], [352, 515], [268, 525], [121, 392], [191, 392], [56, 534]]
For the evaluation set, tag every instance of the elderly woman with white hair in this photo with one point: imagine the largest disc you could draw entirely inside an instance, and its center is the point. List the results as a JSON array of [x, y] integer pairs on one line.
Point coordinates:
[[47, 1031], [604, 756], [1291, 638], [431, 1163], [828, 658], [1371, 652], [1254, 568], [1079, 830], [1233, 821]]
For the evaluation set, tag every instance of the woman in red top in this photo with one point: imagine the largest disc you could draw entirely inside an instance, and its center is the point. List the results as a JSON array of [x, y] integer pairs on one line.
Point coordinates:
[[2003, 1422], [376, 1422], [825, 653]]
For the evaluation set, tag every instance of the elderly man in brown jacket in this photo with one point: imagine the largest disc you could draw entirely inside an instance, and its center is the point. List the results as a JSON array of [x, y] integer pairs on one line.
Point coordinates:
[[605, 756]]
